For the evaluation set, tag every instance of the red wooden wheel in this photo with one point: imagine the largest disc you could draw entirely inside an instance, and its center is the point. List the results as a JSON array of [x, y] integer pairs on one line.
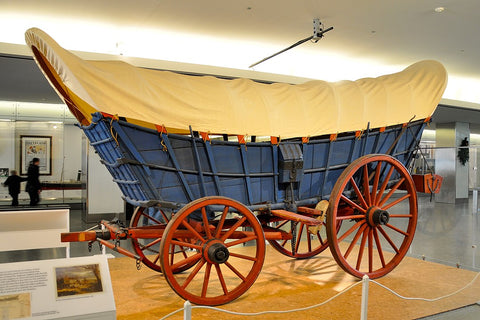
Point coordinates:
[[149, 248], [308, 241], [225, 268], [376, 201]]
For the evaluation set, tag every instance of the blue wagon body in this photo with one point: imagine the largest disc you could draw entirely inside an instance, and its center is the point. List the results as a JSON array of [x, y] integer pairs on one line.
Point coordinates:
[[155, 167]]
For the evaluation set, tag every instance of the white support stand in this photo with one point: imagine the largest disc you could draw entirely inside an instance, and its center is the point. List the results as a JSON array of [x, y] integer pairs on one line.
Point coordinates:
[[187, 310], [104, 250], [364, 308], [34, 229]]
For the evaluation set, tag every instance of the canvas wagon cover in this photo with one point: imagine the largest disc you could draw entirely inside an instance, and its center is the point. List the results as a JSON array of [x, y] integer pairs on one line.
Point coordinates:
[[238, 106]]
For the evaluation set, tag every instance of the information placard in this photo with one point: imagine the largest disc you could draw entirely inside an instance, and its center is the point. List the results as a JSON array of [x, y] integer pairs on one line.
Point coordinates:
[[59, 288]]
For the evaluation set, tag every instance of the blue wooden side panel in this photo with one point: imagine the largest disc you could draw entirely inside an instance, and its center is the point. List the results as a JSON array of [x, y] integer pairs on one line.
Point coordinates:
[[153, 166], [107, 148]]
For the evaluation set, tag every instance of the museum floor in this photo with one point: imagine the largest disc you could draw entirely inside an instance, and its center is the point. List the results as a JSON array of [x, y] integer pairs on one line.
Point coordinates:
[[441, 260]]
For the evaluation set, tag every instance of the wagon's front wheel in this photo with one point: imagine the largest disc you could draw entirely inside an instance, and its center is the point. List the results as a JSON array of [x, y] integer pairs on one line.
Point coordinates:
[[376, 201], [148, 249], [225, 268]]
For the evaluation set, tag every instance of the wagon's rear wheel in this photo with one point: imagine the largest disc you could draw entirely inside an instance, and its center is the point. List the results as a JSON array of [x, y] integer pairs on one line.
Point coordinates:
[[148, 249], [376, 201], [225, 268], [307, 242]]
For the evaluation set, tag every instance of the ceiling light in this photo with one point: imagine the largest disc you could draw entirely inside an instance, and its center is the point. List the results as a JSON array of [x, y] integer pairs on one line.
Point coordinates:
[[439, 9]]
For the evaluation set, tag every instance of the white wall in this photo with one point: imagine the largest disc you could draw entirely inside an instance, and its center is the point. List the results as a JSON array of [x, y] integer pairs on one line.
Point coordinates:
[[72, 151], [104, 195]]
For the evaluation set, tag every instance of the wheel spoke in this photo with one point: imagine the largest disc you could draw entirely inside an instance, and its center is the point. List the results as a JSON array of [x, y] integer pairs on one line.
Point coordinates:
[[183, 252], [309, 242], [221, 278], [172, 254], [349, 231], [183, 262], [240, 241], [299, 237], [235, 271], [232, 229], [366, 186], [401, 216], [205, 223], [354, 241], [206, 279], [358, 193], [282, 224], [390, 193], [370, 250], [388, 206], [387, 237], [361, 249], [164, 216], [375, 181], [185, 244], [154, 242], [151, 218], [195, 233], [241, 256], [384, 185], [352, 217], [193, 274], [379, 247], [397, 229], [222, 221], [353, 204], [320, 238]]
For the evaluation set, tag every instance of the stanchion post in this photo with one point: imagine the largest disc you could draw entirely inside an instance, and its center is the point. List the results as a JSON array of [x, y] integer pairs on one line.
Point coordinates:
[[364, 310], [187, 310], [104, 250]]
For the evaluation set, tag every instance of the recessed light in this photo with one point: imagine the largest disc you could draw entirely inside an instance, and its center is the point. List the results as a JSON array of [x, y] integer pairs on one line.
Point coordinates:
[[439, 9]]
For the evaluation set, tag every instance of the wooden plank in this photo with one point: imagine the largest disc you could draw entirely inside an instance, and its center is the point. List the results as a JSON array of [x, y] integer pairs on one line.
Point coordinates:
[[287, 215]]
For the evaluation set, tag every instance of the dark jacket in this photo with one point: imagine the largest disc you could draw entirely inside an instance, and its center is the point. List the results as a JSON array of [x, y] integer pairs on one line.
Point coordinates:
[[33, 183], [13, 183]]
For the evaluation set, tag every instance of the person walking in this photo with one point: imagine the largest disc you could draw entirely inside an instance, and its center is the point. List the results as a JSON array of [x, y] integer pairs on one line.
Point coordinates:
[[13, 184], [33, 183]]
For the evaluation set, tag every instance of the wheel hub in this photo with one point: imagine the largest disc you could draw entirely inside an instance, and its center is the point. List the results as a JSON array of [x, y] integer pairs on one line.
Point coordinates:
[[377, 216], [216, 252]]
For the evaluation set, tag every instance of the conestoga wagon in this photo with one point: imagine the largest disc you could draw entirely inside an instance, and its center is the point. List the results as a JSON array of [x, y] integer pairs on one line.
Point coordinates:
[[217, 167]]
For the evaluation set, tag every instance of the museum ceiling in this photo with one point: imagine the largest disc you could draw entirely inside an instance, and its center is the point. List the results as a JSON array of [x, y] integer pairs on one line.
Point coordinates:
[[370, 37]]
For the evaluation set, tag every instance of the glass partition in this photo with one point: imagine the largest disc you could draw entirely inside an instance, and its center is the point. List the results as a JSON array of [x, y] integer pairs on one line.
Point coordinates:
[[47, 132]]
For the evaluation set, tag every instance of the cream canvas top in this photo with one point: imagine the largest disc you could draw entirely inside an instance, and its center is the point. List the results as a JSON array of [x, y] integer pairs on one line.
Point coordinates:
[[238, 106]]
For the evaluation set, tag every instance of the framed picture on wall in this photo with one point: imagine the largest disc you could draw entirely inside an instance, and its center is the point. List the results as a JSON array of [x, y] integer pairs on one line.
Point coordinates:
[[4, 172], [36, 147]]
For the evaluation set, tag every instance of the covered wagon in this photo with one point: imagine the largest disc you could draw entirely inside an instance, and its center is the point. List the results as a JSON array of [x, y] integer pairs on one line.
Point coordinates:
[[216, 167]]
